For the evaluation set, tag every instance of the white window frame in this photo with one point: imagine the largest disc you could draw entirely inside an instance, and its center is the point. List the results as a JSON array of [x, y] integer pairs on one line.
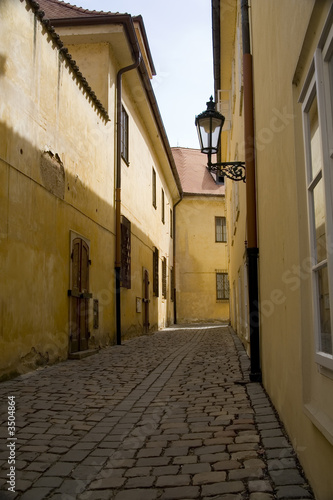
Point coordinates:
[[318, 85]]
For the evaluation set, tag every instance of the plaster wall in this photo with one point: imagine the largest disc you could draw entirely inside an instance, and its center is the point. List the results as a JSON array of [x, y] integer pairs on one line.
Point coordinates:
[[148, 230], [99, 64], [299, 389], [199, 258], [93, 61], [55, 178], [287, 337]]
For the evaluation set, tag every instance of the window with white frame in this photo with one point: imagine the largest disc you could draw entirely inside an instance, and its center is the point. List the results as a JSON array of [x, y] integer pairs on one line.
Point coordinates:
[[220, 230], [317, 108]]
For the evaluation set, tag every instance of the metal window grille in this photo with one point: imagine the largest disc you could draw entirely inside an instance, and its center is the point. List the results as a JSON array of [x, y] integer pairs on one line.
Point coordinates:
[[125, 253], [222, 286]]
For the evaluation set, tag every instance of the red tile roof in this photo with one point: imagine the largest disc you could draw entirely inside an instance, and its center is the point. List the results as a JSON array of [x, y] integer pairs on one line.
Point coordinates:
[[56, 9], [193, 174]]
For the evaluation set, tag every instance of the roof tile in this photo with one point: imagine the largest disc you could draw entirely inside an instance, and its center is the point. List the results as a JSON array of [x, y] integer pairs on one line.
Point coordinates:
[[193, 174], [56, 9]]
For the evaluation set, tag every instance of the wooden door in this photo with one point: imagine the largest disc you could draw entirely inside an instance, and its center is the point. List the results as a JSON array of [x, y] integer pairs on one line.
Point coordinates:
[[79, 296]]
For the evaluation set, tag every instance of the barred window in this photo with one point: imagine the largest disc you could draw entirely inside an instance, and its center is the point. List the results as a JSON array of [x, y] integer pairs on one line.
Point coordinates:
[[220, 229], [222, 286], [125, 252]]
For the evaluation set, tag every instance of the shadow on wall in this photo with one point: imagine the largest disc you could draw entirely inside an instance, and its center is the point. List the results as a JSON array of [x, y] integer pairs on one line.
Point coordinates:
[[40, 203]]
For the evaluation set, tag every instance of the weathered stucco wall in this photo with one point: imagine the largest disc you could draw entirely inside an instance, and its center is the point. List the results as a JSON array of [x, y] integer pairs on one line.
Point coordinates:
[[288, 351], [57, 159], [298, 387], [148, 230], [199, 258], [55, 178]]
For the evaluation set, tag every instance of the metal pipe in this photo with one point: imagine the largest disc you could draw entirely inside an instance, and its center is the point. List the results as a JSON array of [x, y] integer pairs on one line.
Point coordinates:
[[252, 245], [174, 257], [118, 191]]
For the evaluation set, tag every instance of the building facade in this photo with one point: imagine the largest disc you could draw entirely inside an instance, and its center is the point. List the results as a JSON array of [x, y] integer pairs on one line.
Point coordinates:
[[76, 83], [202, 285], [291, 50]]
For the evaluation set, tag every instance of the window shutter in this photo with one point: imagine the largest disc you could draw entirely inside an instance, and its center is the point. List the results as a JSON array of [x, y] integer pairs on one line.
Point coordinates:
[[163, 208], [155, 272], [125, 252], [173, 284], [164, 278], [154, 188]]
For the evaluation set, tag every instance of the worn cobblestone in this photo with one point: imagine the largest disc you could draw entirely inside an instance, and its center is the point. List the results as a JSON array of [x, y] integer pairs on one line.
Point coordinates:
[[160, 417]]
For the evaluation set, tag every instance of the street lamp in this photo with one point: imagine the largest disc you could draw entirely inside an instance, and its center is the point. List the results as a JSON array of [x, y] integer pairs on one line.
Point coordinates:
[[209, 127]]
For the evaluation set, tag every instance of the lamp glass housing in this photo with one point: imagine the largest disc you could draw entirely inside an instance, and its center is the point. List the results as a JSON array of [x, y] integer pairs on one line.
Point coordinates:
[[209, 127]]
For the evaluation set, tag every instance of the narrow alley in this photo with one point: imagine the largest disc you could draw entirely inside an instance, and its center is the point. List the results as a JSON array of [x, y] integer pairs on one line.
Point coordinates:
[[167, 416]]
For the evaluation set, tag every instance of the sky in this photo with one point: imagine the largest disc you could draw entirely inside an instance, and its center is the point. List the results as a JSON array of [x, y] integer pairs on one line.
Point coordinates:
[[180, 39]]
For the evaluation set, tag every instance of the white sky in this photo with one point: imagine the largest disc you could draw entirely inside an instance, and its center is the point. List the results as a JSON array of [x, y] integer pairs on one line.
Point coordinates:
[[180, 39]]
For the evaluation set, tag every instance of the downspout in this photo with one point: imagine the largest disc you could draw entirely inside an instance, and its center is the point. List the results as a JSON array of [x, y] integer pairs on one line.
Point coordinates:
[[118, 192], [174, 258], [252, 245]]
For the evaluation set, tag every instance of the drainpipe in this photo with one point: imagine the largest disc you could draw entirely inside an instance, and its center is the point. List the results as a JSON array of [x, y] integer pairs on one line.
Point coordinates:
[[252, 245], [118, 192], [174, 257]]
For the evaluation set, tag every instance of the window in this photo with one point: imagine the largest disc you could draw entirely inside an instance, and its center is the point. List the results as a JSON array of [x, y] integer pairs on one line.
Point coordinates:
[[154, 188], [317, 98], [155, 273], [164, 278], [171, 224], [163, 208], [125, 252], [222, 286], [220, 229], [124, 135]]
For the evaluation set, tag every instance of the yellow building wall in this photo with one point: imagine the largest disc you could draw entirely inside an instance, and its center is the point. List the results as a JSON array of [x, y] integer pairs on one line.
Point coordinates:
[[299, 391], [57, 163], [285, 293], [93, 60], [148, 230], [199, 258], [99, 64], [45, 114]]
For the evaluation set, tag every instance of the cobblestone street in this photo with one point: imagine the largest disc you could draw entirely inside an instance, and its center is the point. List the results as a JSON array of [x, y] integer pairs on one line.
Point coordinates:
[[166, 416]]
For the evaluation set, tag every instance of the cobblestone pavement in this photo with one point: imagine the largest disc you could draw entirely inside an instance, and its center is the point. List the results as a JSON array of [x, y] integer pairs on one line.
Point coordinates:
[[166, 416]]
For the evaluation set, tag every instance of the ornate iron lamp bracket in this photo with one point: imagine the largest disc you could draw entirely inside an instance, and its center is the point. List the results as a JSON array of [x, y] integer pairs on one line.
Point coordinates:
[[234, 170]]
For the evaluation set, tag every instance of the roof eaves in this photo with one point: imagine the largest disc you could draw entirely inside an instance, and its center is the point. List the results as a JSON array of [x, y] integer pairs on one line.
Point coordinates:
[[205, 195], [145, 39]]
